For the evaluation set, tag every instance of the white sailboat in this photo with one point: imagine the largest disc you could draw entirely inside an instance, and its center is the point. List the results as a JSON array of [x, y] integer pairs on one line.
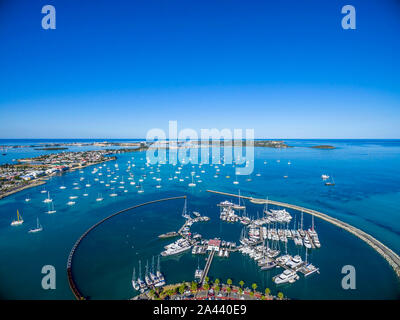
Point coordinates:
[[19, 220], [99, 198], [192, 184], [51, 210], [38, 227], [47, 200]]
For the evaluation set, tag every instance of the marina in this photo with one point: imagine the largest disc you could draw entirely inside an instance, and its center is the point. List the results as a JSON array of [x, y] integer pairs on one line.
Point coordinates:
[[266, 238]]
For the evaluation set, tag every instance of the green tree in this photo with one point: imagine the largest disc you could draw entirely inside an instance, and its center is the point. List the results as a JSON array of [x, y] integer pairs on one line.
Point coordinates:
[[216, 289], [182, 289], [241, 290], [216, 282], [194, 286], [254, 286], [241, 283], [206, 279], [206, 286], [267, 292], [229, 282], [280, 295], [229, 289]]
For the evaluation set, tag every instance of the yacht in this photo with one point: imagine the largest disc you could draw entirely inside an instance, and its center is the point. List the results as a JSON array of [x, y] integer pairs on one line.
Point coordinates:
[[70, 203], [287, 276]]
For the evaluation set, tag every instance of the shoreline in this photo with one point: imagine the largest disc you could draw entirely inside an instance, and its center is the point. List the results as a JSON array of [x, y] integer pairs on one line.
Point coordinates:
[[43, 180]]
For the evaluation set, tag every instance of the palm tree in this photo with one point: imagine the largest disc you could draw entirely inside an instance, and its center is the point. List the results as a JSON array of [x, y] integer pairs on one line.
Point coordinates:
[[182, 289], [254, 286], [241, 283], [216, 289], [229, 282], [280, 295], [267, 292], [194, 286], [216, 282], [206, 286], [206, 279], [229, 290]]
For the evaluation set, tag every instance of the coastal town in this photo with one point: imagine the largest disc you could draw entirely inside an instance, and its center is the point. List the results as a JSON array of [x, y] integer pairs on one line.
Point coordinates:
[[32, 172]]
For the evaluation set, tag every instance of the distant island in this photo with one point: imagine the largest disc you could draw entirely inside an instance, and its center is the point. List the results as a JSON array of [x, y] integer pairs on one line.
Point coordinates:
[[324, 146], [52, 148]]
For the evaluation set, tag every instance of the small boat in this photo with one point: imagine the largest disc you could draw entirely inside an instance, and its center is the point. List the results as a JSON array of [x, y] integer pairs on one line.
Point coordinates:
[[47, 200], [38, 227], [19, 220], [51, 210]]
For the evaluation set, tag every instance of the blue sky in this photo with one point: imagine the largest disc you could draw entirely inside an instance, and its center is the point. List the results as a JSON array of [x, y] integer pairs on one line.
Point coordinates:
[[115, 69]]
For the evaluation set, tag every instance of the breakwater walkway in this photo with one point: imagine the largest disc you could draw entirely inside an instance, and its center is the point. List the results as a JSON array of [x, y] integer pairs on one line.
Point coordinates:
[[389, 255], [74, 288]]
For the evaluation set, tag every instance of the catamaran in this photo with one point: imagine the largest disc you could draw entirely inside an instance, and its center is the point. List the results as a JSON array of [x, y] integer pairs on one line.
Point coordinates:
[[19, 220], [38, 227]]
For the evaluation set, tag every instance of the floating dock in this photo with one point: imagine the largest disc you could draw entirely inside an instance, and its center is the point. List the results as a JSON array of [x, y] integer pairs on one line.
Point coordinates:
[[391, 257]]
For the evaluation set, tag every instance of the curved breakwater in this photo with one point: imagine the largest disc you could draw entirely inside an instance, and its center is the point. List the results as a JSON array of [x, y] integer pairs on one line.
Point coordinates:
[[74, 288], [389, 255]]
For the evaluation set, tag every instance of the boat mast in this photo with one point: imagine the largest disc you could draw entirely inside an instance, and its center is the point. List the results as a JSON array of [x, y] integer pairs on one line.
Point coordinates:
[[140, 269], [301, 226], [158, 264]]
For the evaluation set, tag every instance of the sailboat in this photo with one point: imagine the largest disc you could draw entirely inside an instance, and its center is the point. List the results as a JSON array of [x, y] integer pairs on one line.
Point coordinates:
[[38, 227], [135, 284], [235, 182], [27, 199], [160, 276], [238, 206], [47, 200], [330, 183], [50, 211], [141, 189], [19, 220], [192, 184], [99, 197]]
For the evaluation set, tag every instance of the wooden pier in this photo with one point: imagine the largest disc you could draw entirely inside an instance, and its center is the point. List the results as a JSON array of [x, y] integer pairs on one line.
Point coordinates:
[[207, 267], [389, 255]]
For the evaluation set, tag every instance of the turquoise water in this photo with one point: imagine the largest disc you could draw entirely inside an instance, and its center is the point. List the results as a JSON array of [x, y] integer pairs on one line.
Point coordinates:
[[366, 195]]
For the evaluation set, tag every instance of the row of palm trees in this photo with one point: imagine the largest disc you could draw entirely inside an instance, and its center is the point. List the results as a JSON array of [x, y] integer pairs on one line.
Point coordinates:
[[194, 287], [229, 288]]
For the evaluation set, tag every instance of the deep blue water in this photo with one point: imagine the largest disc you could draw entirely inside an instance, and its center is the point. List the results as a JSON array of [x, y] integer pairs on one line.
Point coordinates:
[[366, 194]]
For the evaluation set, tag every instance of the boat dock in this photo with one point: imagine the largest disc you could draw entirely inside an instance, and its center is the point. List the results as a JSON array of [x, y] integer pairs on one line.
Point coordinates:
[[391, 257], [207, 267]]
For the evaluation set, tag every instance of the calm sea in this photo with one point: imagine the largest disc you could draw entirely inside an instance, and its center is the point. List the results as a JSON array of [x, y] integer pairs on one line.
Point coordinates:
[[366, 195]]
